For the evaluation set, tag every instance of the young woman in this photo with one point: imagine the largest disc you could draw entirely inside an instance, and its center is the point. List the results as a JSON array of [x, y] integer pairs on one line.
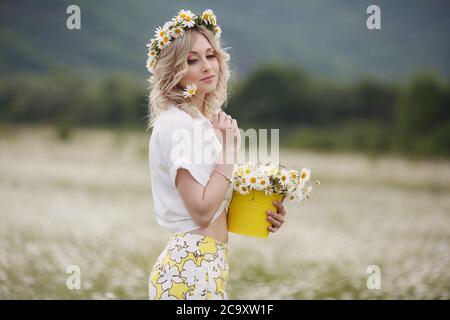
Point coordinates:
[[190, 198]]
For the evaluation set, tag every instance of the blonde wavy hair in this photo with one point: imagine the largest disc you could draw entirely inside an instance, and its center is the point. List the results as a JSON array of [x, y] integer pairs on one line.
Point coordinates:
[[170, 68]]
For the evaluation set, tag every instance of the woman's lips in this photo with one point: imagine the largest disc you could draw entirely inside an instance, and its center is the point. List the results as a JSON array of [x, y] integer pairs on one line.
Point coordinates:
[[208, 79]]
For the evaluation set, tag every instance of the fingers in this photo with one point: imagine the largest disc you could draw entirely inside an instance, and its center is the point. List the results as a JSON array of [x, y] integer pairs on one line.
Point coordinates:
[[234, 123], [225, 121], [221, 117], [280, 208], [277, 219], [275, 223]]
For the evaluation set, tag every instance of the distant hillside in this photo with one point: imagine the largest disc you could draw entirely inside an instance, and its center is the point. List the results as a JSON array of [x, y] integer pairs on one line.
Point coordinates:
[[324, 37]]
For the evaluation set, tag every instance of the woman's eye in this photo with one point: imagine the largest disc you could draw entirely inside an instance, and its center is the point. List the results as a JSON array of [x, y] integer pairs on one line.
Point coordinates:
[[194, 61]]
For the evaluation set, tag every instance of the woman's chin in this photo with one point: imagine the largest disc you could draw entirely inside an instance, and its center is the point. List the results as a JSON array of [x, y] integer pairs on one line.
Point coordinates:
[[207, 88]]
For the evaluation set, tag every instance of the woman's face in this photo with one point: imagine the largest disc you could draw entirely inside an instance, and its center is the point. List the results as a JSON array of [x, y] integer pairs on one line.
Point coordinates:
[[202, 63]]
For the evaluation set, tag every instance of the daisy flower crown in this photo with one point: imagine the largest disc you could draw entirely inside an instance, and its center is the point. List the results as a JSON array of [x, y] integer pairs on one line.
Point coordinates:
[[176, 28]]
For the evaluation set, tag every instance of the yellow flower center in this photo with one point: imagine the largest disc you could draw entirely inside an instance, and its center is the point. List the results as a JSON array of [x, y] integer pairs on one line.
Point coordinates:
[[253, 180]]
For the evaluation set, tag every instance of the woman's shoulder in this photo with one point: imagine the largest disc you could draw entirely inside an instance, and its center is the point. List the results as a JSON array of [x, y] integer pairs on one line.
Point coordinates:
[[173, 117]]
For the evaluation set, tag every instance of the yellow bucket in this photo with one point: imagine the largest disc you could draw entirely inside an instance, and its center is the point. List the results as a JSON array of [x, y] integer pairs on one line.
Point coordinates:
[[247, 214]]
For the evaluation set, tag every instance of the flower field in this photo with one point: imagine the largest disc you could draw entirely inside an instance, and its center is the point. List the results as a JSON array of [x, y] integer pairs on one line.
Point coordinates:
[[87, 202]]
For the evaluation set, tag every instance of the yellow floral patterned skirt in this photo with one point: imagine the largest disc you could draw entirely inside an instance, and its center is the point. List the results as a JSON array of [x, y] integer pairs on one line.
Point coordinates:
[[191, 267]]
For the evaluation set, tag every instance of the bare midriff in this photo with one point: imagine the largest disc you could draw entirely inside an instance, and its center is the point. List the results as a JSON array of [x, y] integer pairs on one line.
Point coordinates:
[[217, 229]]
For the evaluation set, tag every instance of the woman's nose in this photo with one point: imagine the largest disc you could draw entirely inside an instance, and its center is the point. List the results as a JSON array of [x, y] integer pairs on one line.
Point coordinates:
[[206, 65]]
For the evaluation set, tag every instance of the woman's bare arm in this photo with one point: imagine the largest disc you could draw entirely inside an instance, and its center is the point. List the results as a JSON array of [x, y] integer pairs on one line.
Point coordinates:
[[202, 202]]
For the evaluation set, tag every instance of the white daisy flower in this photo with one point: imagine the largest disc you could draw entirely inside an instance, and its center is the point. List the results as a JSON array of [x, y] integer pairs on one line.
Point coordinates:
[[207, 16], [217, 31], [305, 174], [164, 42], [252, 180], [190, 90], [269, 170], [177, 32], [152, 42], [243, 189], [152, 54], [262, 182], [290, 198], [150, 64], [296, 196], [161, 33], [284, 177], [247, 170], [293, 198], [249, 166], [181, 14], [169, 24], [187, 18], [294, 175]]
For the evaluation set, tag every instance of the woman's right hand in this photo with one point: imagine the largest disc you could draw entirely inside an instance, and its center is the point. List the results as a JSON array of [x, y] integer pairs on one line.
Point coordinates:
[[227, 130]]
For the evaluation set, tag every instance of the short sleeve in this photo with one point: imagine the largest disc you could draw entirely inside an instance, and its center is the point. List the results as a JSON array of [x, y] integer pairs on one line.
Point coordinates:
[[189, 145]]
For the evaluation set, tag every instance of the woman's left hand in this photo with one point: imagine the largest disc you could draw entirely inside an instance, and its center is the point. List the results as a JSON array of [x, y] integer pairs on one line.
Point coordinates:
[[276, 218]]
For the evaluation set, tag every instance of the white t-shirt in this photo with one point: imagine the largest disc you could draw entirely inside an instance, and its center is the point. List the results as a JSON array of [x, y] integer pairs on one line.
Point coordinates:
[[180, 141]]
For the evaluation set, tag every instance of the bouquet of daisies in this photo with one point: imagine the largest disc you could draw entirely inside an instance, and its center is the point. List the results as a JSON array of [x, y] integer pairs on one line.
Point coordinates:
[[292, 184], [255, 187]]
